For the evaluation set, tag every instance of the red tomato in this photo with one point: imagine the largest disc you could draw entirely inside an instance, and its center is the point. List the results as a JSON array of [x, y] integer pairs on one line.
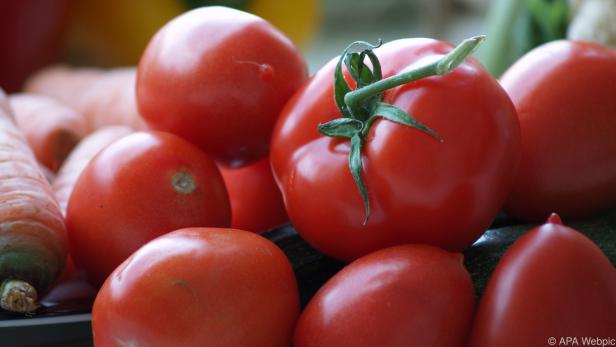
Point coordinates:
[[421, 190], [256, 201], [564, 94], [199, 287], [30, 38], [552, 282], [139, 187], [392, 297], [219, 77]]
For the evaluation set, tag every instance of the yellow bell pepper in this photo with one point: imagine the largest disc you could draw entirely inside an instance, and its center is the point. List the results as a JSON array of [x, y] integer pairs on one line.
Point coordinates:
[[115, 32]]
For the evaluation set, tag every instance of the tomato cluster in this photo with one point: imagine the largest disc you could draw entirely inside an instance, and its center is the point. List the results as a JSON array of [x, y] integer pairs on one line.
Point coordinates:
[[393, 158]]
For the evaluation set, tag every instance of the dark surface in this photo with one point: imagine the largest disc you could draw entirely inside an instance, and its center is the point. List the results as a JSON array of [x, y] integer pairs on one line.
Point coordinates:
[[312, 269], [47, 329]]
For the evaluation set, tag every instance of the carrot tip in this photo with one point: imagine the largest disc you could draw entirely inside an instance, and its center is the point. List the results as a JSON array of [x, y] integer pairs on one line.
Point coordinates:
[[18, 296]]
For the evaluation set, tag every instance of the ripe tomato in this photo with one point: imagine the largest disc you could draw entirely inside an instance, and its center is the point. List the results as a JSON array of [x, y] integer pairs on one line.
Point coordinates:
[[139, 187], [552, 282], [218, 77], [564, 94], [199, 287], [392, 297], [421, 190], [256, 201]]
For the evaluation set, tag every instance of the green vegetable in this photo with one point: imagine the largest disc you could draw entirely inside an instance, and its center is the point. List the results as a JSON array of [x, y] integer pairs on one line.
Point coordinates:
[[517, 26]]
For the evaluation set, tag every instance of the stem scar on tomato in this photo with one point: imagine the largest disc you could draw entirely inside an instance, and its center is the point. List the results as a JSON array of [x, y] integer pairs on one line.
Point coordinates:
[[183, 182], [361, 107]]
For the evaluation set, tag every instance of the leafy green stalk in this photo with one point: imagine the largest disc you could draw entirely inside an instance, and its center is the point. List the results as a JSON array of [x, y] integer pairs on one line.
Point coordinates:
[[517, 26]]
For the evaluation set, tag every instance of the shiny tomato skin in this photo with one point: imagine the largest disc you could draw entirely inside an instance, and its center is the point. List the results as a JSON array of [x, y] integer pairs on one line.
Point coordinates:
[[564, 95], [552, 282], [219, 77], [256, 201], [420, 190], [199, 287], [139, 187], [409, 295]]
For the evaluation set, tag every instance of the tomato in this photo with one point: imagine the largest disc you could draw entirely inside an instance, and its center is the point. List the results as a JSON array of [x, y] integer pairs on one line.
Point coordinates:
[[552, 282], [392, 297], [219, 77], [421, 190], [564, 94], [199, 287], [31, 34], [139, 187], [256, 201]]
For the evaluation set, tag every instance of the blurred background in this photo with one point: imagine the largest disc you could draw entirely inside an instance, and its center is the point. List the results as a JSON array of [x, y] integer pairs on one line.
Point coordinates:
[[110, 33], [344, 21]]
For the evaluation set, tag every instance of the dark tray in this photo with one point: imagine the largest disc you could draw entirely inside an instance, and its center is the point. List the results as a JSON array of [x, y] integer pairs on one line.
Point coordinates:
[[63, 320]]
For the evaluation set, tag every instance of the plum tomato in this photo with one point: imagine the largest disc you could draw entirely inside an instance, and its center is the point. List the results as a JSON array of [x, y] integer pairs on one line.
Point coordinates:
[[552, 283]]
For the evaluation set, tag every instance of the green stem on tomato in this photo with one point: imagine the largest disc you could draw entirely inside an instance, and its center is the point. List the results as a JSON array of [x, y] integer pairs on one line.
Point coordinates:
[[361, 107], [440, 67]]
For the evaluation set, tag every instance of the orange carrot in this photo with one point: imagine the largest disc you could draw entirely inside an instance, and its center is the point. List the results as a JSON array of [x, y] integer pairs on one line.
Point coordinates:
[[80, 157], [51, 128], [5, 108], [62, 82], [111, 100], [33, 242], [50, 176], [103, 97]]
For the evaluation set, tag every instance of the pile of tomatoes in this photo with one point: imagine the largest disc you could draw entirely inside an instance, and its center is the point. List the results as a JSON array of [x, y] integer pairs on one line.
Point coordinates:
[[409, 177]]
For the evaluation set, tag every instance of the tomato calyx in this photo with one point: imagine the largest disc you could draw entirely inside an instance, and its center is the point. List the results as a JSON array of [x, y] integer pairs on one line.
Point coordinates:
[[362, 106]]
